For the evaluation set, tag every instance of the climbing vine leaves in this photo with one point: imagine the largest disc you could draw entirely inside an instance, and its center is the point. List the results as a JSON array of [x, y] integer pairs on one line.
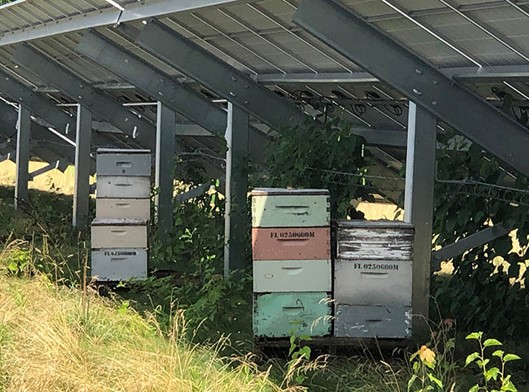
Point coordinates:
[[473, 190]]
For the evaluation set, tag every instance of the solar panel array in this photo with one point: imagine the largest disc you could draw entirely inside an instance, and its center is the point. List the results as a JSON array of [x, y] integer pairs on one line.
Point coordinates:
[[483, 43]]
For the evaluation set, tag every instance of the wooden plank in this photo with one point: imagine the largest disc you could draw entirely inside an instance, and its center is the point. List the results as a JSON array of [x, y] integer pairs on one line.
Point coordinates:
[[334, 342], [375, 243]]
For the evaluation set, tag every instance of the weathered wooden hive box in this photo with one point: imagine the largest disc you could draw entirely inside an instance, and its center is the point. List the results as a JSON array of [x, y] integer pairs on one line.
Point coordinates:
[[292, 262], [119, 232], [373, 279], [275, 207], [118, 208], [280, 243]]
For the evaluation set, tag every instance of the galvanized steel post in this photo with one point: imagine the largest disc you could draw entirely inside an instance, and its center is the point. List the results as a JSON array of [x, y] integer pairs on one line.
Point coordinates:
[[22, 157], [83, 140], [236, 217], [418, 206], [165, 165]]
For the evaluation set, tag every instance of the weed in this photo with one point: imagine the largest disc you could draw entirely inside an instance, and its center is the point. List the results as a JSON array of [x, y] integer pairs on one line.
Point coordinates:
[[494, 378], [299, 354]]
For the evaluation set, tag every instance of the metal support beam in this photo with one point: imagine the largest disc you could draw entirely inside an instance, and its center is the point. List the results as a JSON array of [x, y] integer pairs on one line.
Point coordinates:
[[381, 137], [8, 156], [47, 113], [98, 102], [104, 17], [37, 149], [81, 195], [422, 83], [175, 95], [236, 217], [197, 191], [472, 241], [418, 206], [499, 73], [60, 164], [22, 159], [43, 143], [165, 167], [221, 78], [40, 106]]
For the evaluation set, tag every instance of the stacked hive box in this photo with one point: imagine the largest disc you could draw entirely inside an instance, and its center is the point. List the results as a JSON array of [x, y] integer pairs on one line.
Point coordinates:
[[292, 266], [119, 232], [373, 279]]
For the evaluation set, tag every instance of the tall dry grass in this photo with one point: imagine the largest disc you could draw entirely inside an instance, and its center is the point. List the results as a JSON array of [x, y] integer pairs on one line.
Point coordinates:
[[58, 339]]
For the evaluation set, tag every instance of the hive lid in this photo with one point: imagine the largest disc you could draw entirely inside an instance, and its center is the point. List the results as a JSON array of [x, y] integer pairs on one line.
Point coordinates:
[[287, 192], [118, 222], [122, 151], [378, 224]]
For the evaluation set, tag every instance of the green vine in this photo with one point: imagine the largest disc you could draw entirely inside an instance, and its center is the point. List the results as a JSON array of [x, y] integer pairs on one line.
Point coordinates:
[[485, 290], [311, 156], [481, 292]]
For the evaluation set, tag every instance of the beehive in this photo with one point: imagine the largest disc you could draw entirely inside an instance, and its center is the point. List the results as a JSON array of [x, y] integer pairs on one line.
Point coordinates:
[[292, 262], [373, 279], [119, 232]]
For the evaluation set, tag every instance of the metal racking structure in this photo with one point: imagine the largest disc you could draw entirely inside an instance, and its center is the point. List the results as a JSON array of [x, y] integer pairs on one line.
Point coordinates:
[[174, 75]]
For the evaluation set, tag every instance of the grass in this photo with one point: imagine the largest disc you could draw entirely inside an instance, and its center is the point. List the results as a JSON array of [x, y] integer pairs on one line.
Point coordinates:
[[57, 339]]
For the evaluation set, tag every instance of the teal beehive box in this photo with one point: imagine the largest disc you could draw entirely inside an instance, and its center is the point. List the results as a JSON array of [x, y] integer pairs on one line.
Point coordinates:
[[285, 314], [278, 207]]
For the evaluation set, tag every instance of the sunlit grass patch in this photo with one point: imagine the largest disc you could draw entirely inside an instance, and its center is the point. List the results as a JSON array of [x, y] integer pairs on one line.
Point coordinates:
[[59, 339]]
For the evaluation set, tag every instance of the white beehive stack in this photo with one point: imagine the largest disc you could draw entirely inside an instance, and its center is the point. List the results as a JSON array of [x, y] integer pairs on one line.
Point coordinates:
[[119, 232], [373, 279]]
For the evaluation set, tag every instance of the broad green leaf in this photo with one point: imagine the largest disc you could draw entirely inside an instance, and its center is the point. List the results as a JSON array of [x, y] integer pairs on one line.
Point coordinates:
[[491, 342], [483, 362], [450, 343], [498, 353], [475, 388], [305, 352], [475, 336], [508, 387], [492, 373], [435, 380], [471, 358], [511, 357]]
